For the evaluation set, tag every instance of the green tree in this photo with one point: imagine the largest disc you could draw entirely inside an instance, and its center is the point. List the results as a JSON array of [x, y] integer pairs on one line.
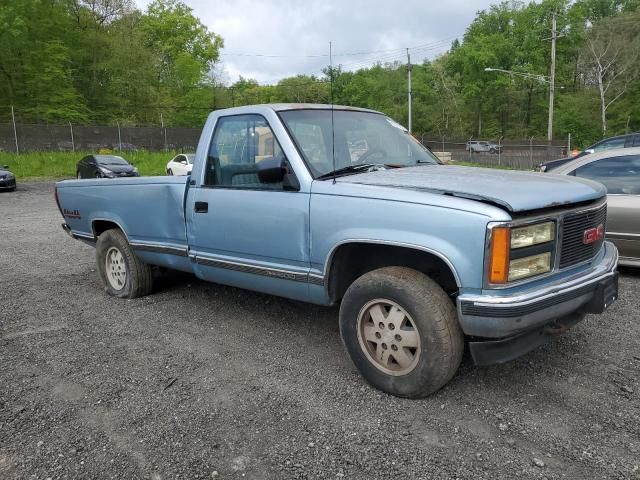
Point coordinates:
[[35, 63], [611, 57], [186, 54]]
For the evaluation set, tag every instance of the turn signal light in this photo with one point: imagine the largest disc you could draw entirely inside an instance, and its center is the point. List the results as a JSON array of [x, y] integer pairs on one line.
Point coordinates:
[[499, 255]]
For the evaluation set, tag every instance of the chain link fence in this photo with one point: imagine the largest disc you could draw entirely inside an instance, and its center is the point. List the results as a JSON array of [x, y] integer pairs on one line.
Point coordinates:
[[29, 138], [519, 154], [523, 154]]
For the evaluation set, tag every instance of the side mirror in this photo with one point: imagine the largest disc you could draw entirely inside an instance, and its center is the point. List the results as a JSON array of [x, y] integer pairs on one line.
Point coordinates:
[[589, 150], [271, 170]]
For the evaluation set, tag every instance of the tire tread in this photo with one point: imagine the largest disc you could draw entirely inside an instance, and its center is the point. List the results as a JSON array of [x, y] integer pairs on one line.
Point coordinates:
[[140, 274], [445, 331]]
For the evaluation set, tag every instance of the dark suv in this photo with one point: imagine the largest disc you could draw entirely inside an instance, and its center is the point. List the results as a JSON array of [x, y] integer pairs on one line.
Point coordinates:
[[621, 141]]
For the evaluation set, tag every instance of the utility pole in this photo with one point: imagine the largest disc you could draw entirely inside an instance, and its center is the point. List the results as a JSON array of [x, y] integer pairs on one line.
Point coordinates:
[[409, 86], [552, 78]]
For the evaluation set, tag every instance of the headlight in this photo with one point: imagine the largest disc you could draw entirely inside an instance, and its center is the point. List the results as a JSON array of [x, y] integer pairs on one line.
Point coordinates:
[[510, 256], [529, 266], [533, 235], [106, 172]]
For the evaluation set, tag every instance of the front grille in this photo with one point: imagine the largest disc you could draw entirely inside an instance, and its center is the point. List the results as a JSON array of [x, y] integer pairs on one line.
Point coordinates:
[[572, 249]]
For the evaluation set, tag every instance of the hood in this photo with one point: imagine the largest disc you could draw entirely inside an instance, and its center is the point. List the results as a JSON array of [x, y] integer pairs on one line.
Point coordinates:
[[514, 191]]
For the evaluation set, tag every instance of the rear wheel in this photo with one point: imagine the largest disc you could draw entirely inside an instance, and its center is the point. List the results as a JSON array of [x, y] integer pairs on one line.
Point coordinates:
[[169, 171], [401, 331], [123, 273]]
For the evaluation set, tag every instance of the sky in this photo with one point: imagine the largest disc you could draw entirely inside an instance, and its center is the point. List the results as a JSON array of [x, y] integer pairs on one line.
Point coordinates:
[[268, 40]]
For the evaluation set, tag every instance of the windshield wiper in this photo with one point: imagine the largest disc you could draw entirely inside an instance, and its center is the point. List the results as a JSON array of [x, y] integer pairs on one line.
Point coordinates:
[[346, 170]]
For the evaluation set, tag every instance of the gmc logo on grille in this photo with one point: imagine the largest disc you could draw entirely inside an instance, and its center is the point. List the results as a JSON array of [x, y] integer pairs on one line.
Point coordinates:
[[592, 235]]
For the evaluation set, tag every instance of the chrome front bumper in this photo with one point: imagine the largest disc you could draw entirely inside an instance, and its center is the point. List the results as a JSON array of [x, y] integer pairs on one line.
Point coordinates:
[[498, 316]]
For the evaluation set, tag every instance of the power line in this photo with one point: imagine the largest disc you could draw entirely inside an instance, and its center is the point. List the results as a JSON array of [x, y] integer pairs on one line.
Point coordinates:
[[345, 54]]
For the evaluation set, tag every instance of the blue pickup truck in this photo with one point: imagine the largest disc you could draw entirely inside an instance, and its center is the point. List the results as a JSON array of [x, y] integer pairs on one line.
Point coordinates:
[[341, 205]]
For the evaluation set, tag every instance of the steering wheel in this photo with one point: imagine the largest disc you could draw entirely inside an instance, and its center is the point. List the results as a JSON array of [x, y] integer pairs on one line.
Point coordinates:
[[369, 153]]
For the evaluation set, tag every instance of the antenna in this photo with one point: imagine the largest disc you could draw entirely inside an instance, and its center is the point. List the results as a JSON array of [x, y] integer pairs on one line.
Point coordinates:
[[333, 135]]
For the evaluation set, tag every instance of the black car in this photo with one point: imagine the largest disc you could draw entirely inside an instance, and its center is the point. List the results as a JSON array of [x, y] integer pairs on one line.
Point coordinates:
[[105, 166], [7, 179], [621, 141]]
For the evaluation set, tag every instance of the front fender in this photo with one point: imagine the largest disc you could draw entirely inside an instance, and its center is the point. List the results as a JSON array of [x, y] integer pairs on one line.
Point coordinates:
[[456, 236]]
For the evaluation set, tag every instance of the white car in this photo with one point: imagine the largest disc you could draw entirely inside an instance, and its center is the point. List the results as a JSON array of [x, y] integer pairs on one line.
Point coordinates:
[[181, 164]]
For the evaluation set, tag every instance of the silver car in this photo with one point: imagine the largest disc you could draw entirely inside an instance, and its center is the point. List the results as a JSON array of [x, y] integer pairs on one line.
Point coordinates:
[[619, 171], [480, 146]]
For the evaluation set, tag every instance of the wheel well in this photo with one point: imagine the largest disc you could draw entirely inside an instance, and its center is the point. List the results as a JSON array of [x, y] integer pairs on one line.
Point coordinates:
[[353, 260], [101, 226]]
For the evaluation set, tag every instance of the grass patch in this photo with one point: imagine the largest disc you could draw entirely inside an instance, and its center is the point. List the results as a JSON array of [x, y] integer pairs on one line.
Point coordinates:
[[38, 166], [484, 165]]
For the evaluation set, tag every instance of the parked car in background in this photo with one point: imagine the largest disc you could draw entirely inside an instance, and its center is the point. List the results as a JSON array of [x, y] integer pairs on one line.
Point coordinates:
[[621, 141], [480, 146], [7, 179], [181, 164], [105, 166], [619, 171]]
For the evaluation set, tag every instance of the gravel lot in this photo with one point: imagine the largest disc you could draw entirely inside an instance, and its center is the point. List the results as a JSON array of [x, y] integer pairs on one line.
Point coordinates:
[[205, 381]]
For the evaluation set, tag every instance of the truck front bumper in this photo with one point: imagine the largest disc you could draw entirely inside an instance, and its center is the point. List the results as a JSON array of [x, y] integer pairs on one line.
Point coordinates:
[[512, 325]]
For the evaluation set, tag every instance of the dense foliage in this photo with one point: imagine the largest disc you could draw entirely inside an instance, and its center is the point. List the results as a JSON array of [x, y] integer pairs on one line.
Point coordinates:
[[103, 61]]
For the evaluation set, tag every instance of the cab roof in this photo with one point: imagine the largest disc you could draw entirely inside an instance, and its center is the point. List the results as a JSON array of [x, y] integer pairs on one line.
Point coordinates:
[[279, 107]]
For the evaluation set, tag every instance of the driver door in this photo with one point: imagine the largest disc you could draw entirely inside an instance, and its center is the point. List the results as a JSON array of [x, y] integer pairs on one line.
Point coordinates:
[[244, 232]]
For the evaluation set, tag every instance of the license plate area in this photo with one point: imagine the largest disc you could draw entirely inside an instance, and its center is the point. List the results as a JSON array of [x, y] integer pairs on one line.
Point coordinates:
[[604, 295]]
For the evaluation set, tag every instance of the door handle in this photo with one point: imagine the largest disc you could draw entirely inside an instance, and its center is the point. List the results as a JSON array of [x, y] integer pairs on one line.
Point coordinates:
[[201, 207]]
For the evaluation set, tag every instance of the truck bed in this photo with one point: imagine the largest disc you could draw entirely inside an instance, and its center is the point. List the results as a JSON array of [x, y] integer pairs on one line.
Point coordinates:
[[149, 209]]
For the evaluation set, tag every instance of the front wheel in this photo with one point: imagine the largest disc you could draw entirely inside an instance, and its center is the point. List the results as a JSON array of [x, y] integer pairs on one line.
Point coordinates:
[[401, 331], [169, 172], [123, 273]]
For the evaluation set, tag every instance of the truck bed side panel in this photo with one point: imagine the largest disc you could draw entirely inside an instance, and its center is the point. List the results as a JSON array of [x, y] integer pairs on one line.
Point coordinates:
[[149, 210]]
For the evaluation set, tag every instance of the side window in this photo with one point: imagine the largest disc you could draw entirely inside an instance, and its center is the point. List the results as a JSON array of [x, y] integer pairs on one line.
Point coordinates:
[[239, 144], [610, 144], [621, 175]]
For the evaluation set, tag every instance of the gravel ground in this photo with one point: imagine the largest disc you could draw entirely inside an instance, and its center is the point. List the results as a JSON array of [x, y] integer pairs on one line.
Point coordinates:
[[204, 381]]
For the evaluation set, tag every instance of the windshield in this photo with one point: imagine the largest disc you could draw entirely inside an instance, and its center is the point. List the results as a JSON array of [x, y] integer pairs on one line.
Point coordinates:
[[360, 138], [111, 160]]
